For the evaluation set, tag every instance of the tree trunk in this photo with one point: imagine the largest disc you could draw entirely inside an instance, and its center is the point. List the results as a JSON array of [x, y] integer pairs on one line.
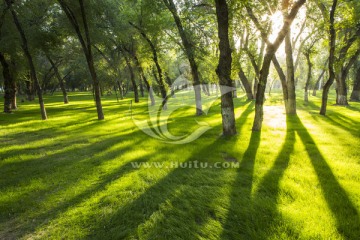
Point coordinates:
[[8, 79], [24, 45], [317, 84], [147, 84], [330, 81], [160, 78], [341, 89], [355, 95], [61, 82], [270, 53], [190, 53], [132, 78], [86, 46], [223, 69], [284, 84], [246, 84], [290, 75], [308, 79]]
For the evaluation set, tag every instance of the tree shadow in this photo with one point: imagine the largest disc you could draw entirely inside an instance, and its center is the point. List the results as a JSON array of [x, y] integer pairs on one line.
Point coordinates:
[[344, 211], [252, 216], [174, 189]]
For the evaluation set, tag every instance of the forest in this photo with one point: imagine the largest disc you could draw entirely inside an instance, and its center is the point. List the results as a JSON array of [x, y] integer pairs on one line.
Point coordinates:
[[179, 119]]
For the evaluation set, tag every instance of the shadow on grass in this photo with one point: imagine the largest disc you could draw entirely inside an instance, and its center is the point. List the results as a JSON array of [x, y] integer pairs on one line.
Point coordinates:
[[176, 189], [51, 176], [251, 216], [344, 211]]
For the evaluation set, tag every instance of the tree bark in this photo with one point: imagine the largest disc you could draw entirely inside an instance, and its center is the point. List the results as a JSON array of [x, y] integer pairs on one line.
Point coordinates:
[[60, 79], [246, 84], [308, 79], [190, 53], [223, 69], [25, 47], [290, 75], [8, 79], [355, 95], [86, 46], [341, 88], [332, 38]]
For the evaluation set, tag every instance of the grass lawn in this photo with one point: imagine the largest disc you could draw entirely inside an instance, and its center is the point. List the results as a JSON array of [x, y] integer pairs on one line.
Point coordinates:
[[72, 176]]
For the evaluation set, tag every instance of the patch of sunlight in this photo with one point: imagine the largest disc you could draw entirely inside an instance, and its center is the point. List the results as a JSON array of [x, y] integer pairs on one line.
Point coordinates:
[[274, 117]]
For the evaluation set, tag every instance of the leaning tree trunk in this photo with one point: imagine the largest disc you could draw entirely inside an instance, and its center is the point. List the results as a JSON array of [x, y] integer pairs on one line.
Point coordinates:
[[290, 75], [142, 75], [317, 84], [132, 78], [330, 81], [86, 46], [61, 82], [355, 95], [223, 69], [246, 84], [24, 45], [8, 79], [190, 53], [270, 53], [307, 83], [159, 77]]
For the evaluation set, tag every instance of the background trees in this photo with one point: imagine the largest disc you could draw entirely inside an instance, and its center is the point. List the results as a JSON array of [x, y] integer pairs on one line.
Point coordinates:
[[131, 46]]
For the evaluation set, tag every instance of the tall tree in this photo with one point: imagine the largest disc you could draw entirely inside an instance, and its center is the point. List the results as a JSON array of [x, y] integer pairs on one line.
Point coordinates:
[[332, 39], [270, 53], [223, 69], [60, 79], [190, 53], [85, 42], [28, 56]]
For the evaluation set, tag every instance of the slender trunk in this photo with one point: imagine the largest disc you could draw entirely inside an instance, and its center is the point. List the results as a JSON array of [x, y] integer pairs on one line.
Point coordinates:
[[86, 46], [121, 91], [317, 84], [7, 84], [132, 78], [24, 45], [330, 81], [246, 84], [355, 95], [270, 53], [146, 82], [307, 83], [13, 86], [224, 68], [260, 95], [61, 81], [190, 53], [284, 84], [290, 75], [159, 78]]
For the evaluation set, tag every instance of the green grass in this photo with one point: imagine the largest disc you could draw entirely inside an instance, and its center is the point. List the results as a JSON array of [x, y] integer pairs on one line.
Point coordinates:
[[71, 177]]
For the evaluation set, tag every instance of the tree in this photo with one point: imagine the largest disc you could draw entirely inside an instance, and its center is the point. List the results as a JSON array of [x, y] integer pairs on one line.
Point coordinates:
[[223, 69], [28, 56], [355, 95], [190, 53], [270, 53], [85, 42]]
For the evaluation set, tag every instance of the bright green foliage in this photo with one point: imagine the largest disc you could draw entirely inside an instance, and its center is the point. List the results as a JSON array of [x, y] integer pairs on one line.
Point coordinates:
[[71, 177]]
